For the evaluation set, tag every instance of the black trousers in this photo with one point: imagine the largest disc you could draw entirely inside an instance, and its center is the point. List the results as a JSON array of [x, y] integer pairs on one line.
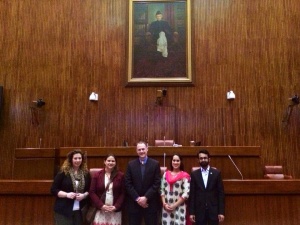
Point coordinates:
[[206, 220], [149, 218], [76, 219]]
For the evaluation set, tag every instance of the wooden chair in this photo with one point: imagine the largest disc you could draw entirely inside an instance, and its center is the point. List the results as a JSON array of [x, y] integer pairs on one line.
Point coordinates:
[[162, 170], [195, 168], [94, 171], [198, 167], [275, 172], [162, 143]]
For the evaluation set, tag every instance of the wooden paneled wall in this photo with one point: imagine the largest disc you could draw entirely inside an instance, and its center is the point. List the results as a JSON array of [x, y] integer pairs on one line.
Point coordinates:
[[61, 51]]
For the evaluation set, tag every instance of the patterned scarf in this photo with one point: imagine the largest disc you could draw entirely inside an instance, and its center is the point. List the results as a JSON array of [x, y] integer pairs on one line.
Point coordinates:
[[79, 176]]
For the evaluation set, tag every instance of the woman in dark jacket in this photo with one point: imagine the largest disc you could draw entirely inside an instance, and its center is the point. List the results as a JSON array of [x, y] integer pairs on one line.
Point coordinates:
[[107, 193], [71, 187]]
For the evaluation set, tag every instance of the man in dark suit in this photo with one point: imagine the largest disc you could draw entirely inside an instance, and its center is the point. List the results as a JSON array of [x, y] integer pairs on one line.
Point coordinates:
[[142, 182], [161, 33], [207, 204], [160, 26]]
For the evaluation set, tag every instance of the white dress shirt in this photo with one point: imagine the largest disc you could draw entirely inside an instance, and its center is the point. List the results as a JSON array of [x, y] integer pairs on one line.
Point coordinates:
[[205, 175]]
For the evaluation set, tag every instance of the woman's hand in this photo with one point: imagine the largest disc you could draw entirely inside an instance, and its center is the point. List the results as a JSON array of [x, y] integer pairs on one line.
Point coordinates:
[[169, 208], [80, 196], [108, 208], [71, 195]]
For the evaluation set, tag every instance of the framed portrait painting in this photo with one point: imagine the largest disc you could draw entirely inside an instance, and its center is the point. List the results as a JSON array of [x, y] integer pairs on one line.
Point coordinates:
[[159, 43]]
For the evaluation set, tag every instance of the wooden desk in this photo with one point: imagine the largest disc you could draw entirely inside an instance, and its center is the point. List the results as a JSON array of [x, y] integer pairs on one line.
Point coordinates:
[[232, 187], [245, 151], [247, 158], [255, 202], [35, 163]]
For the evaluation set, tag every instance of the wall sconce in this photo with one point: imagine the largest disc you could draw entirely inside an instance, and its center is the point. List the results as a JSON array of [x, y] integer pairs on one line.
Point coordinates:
[[35, 109], [160, 94], [293, 101], [230, 95], [93, 96], [39, 103]]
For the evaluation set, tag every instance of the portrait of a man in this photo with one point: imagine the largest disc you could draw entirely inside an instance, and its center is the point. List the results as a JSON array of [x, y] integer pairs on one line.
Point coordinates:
[[161, 34], [159, 40]]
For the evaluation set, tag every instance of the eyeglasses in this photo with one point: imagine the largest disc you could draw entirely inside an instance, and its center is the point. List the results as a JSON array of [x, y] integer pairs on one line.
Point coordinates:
[[203, 158]]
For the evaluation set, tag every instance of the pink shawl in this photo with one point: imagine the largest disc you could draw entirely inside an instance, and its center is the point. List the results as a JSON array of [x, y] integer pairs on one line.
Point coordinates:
[[172, 179]]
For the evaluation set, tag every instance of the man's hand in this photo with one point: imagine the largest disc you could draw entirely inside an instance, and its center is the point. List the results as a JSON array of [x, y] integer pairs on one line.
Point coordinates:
[[221, 217], [192, 218], [142, 201]]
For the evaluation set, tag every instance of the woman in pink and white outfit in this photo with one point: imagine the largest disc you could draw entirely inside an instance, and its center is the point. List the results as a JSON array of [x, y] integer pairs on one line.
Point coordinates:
[[175, 189]]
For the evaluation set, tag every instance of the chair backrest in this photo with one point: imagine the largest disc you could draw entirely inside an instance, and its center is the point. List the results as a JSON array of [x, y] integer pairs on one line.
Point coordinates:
[[275, 172], [164, 143], [195, 168], [273, 169], [198, 143], [163, 170], [198, 167], [94, 171]]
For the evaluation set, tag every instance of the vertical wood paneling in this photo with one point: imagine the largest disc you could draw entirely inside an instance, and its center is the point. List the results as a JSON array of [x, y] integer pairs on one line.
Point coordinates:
[[61, 51], [252, 206], [24, 212]]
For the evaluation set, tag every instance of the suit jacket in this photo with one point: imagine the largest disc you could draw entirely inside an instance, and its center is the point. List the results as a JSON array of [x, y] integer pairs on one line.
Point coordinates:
[[63, 182], [157, 26], [147, 186], [98, 188], [210, 198]]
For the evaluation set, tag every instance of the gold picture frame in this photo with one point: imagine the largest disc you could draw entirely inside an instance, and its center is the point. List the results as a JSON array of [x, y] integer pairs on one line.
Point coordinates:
[[159, 43]]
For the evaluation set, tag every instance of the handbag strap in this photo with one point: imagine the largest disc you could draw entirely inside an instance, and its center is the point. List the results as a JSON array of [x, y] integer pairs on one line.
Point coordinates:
[[106, 188]]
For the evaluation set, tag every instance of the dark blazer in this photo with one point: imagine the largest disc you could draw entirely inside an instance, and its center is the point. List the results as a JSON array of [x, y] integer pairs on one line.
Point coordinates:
[[148, 186], [98, 188], [211, 197], [63, 182], [157, 26]]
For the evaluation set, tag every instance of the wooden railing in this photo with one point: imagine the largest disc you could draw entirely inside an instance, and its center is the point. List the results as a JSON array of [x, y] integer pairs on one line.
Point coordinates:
[[43, 163], [35, 163], [255, 202], [250, 201]]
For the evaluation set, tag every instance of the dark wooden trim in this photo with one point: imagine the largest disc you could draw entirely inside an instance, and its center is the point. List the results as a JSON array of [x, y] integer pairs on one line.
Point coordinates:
[[25, 187], [262, 187], [243, 151], [232, 187], [246, 157], [21, 153]]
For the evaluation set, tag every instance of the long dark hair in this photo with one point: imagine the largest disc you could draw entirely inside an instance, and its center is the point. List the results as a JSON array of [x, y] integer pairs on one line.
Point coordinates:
[[115, 170], [181, 167]]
